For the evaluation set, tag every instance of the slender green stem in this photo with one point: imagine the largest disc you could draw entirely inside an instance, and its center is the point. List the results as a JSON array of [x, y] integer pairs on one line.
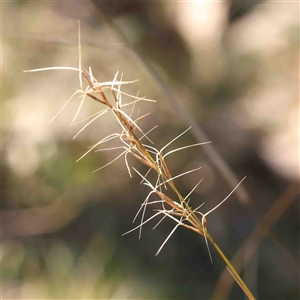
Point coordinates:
[[232, 270]]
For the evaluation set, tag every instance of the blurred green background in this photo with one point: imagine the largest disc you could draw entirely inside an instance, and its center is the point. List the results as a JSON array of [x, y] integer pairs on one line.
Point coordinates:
[[235, 68]]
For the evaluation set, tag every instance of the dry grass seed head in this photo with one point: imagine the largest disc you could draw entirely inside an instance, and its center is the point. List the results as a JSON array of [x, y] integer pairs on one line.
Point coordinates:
[[132, 144]]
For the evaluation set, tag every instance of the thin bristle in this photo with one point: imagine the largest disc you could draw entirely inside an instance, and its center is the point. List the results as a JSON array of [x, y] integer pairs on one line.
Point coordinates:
[[51, 68], [111, 161]]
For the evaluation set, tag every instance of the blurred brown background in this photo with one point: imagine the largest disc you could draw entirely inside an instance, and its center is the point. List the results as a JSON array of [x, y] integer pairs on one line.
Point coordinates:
[[235, 68]]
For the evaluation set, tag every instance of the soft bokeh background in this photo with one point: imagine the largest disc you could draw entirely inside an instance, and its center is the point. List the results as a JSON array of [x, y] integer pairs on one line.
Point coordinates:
[[235, 68]]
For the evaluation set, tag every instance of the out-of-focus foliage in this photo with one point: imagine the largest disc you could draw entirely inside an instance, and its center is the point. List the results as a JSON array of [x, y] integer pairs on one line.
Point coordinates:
[[235, 67]]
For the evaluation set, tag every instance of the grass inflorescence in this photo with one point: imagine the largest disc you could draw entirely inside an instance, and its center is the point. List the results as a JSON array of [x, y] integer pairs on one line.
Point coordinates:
[[135, 142]]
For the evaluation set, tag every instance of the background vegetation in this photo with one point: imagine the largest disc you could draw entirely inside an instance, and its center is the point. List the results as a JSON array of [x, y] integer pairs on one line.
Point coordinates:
[[235, 68]]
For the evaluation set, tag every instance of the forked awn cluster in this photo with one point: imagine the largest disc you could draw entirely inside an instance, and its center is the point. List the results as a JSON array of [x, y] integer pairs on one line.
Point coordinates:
[[130, 138]]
